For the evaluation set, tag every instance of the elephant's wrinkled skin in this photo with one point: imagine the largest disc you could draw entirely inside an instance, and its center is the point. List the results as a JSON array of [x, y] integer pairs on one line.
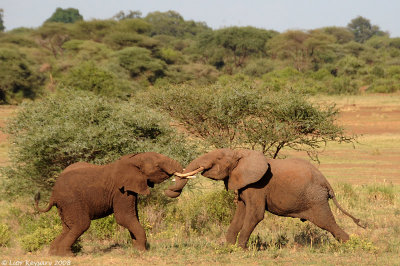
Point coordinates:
[[84, 192], [289, 187]]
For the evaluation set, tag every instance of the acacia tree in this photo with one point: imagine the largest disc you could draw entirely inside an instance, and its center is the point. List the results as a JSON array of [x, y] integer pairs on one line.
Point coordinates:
[[172, 23], [239, 115], [234, 45], [2, 28], [363, 30], [302, 49], [68, 15]]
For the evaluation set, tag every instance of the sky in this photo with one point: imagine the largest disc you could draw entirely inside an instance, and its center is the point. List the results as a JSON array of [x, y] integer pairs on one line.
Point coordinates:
[[279, 15]]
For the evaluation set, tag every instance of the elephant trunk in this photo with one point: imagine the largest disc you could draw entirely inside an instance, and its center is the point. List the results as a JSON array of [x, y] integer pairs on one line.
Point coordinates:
[[176, 189], [171, 166]]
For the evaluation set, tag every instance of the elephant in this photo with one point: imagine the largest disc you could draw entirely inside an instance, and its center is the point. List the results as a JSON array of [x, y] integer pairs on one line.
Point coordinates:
[[285, 187], [84, 192]]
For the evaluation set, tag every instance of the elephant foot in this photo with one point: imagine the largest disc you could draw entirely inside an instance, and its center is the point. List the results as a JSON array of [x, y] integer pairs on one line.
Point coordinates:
[[139, 245], [61, 252], [344, 237], [231, 239]]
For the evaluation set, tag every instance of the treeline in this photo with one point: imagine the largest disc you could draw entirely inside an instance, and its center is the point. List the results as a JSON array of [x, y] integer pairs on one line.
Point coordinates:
[[130, 52]]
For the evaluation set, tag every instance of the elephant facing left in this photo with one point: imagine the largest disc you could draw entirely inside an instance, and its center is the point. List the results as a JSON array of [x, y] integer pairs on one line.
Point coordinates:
[[84, 192]]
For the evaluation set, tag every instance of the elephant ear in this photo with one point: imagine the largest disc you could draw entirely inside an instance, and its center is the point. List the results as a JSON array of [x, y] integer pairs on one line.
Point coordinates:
[[251, 167], [129, 178]]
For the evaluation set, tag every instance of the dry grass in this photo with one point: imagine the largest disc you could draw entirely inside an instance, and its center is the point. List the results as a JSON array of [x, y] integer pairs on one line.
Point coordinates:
[[366, 179]]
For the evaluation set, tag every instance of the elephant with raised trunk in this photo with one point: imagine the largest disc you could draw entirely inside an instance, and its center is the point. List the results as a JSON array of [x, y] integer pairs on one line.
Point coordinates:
[[84, 192], [285, 187]]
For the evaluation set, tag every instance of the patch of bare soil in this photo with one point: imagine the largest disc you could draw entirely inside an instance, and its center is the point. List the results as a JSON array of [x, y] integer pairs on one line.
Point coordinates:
[[373, 120]]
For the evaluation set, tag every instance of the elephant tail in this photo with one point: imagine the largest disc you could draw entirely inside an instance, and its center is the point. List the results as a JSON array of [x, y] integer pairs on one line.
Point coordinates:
[[333, 197], [37, 198]]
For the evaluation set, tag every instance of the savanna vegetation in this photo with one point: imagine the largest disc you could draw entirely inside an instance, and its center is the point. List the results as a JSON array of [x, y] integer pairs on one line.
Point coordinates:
[[95, 90]]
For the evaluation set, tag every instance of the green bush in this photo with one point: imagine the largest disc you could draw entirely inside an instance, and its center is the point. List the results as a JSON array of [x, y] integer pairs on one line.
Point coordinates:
[[258, 67], [138, 61], [385, 85], [39, 238], [84, 51], [342, 85], [170, 56], [90, 77], [37, 231], [355, 244], [5, 235], [103, 228], [203, 211], [17, 78], [72, 126]]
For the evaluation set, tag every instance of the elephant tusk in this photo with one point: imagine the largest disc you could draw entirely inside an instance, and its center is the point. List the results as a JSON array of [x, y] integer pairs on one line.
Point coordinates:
[[190, 174]]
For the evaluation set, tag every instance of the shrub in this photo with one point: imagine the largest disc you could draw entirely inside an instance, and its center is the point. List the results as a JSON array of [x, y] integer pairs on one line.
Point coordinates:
[[349, 65], [203, 211], [170, 56], [342, 85], [355, 244], [381, 192], [17, 79], [385, 85], [104, 228], [38, 230], [39, 238], [89, 77], [138, 60], [72, 126], [5, 235], [258, 67], [84, 51]]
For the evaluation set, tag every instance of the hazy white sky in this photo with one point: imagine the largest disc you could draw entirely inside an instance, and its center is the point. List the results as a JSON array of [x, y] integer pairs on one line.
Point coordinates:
[[279, 15]]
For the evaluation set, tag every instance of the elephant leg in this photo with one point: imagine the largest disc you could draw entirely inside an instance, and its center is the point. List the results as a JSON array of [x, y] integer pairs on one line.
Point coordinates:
[[126, 215], [237, 222], [322, 216], [255, 210], [130, 221], [55, 244], [73, 227]]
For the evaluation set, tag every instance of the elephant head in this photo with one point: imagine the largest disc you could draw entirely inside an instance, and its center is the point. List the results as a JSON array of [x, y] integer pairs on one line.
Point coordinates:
[[237, 168], [136, 172]]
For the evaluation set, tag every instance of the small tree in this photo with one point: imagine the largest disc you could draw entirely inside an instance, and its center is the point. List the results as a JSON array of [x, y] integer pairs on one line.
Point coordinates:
[[235, 44], [238, 115], [363, 30], [130, 15], [138, 61], [18, 79], [2, 28], [68, 15]]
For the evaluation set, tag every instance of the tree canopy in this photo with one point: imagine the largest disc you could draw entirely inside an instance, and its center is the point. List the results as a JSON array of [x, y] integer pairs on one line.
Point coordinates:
[[68, 15], [2, 28], [363, 29]]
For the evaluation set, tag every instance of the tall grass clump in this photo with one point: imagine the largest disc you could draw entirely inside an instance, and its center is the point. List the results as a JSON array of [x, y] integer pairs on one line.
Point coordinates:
[[381, 192], [202, 212]]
